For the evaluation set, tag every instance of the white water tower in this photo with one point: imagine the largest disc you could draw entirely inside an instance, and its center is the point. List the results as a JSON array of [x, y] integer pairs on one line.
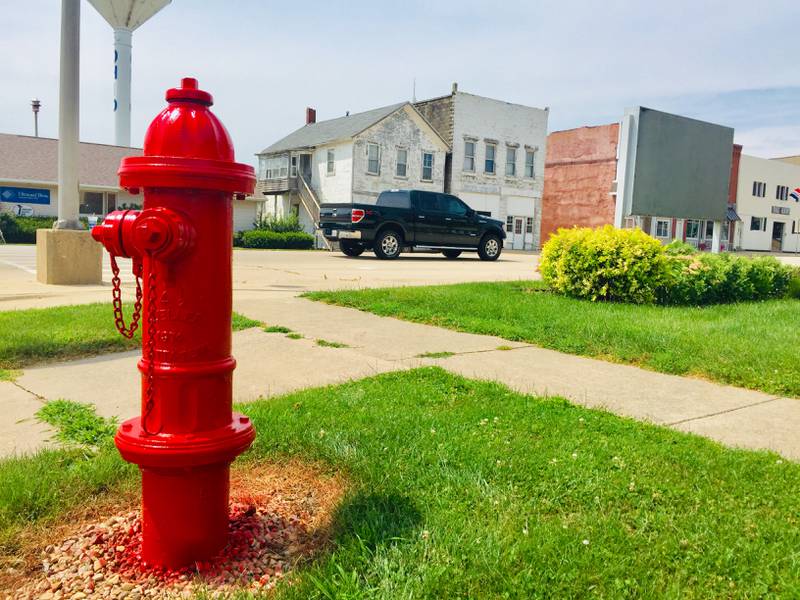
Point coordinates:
[[125, 16]]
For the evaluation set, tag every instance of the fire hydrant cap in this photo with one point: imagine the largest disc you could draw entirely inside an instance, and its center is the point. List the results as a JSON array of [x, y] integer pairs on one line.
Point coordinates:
[[187, 146]]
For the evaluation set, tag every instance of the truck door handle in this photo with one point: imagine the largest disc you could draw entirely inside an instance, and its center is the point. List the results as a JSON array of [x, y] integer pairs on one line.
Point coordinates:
[[420, 216], [448, 219]]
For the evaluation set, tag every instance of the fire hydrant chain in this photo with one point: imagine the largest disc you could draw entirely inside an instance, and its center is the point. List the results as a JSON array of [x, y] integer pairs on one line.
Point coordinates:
[[150, 353], [116, 294]]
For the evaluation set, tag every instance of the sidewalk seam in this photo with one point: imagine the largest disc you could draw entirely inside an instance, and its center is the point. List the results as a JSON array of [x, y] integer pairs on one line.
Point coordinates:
[[722, 412], [39, 397]]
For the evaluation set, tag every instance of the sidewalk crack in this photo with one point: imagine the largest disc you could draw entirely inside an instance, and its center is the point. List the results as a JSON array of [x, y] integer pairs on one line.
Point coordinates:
[[723, 412], [39, 397]]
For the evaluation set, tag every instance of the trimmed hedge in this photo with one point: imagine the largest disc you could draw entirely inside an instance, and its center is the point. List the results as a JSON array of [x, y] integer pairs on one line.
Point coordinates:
[[22, 230], [259, 238], [622, 265], [627, 265]]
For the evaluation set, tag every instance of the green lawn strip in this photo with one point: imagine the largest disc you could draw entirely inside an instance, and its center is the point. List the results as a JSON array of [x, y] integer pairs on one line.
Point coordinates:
[[750, 345], [463, 489], [38, 335], [77, 423]]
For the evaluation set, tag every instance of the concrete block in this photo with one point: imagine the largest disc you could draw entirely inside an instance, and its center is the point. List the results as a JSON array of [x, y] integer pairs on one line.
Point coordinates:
[[68, 257]]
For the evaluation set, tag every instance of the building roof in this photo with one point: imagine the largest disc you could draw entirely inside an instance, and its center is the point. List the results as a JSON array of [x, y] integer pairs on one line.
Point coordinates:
[[35, 159], [324, 132]]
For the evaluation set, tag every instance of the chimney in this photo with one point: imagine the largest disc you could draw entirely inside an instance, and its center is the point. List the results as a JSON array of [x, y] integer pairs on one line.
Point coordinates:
[[311, 115], [455, 87]]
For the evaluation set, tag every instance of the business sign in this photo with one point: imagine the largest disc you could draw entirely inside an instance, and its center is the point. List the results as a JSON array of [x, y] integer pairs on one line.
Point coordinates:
[[26, 195], [780, 210]]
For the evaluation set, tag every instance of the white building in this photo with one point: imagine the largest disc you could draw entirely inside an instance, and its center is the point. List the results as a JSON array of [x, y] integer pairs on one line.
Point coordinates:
[[29, 180], [768, 202], [497, 161], [350, 159]]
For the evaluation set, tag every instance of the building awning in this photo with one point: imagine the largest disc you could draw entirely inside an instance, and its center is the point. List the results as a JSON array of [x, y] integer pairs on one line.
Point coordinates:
[[731, 215]]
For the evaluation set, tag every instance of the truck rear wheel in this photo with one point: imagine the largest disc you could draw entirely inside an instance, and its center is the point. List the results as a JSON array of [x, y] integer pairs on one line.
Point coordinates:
[[490, 247], [451, 253], [351, 248], [388, 244]]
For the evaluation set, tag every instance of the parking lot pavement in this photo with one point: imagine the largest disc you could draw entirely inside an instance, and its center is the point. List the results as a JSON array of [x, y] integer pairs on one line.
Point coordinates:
[[257, 274]]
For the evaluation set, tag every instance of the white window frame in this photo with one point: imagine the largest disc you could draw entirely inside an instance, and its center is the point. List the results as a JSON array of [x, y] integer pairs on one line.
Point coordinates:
[[668, 224], [509, 223], [782, 192], [759, 189], [397, 162], [422, 170], [330, 160], [486, 159], [468, 156], [530, 164], [293, 166], [690, 222], [528, 224], [377, 147], [511, 161]]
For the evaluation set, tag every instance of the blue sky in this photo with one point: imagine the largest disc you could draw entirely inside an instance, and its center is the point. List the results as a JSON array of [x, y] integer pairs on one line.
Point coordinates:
[[733, 62]]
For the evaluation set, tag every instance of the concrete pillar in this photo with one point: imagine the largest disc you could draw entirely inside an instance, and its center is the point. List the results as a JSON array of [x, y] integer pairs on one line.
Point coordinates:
[[122, 86], [68, 108], [715, 237], [67, 254]]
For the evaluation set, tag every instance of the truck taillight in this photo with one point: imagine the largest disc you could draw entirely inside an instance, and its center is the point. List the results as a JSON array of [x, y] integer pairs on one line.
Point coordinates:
[[357, 215]]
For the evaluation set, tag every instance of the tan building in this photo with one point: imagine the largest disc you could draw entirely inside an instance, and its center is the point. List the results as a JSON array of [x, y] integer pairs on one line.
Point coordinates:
[[29, 180]]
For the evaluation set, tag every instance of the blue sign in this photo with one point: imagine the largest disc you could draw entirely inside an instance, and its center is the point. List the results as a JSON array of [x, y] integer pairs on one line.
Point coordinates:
[[26, 195]]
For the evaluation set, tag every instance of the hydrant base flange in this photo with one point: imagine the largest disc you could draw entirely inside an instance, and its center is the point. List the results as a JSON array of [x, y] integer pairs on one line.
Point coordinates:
[[176, 450]]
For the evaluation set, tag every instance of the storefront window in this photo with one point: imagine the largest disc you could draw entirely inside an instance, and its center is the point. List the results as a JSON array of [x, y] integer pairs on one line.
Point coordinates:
[[111, 203], [91, 203]]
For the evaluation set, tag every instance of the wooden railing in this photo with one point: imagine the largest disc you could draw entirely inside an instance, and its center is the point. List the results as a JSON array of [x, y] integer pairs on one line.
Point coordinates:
[[309, 200]]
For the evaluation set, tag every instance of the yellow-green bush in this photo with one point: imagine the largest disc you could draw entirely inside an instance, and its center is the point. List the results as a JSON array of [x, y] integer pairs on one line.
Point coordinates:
[[627, 265], [623, 265]]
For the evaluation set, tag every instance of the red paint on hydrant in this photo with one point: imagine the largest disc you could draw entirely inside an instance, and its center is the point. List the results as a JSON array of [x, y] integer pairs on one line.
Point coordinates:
[[181, 245]]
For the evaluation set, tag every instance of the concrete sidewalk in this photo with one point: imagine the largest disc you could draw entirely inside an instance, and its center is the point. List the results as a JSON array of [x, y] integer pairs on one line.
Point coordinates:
[[270, 364]]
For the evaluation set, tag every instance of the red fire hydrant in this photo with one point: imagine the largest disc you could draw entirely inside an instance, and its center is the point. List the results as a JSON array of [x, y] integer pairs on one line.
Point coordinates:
[[181, 246]]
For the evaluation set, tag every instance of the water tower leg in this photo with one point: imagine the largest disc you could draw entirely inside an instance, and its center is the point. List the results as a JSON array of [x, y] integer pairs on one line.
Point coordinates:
[[122, 86], [67, 254]]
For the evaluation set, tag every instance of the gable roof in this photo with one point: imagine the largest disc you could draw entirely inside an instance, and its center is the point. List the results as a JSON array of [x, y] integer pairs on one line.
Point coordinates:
[[35, 159], [331, 130]]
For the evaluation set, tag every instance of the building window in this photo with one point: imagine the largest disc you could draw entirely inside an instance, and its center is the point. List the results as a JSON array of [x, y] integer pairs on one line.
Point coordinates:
[[518, 226], [509, 224], [276, 167], [692, 229], [511, 162], [662, 228], [373, 159], [427, 166], [759, 189], [469, 156], [491, 152], [782, 192], [111, 202], [529, 157], [91, 203], [293, 169], [402, 162], [709, 229], [331, 162], [758, 223], [529, 225]]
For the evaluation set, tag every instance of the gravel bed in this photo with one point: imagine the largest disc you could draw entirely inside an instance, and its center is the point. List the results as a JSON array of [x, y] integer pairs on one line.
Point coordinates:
[[103, 561]]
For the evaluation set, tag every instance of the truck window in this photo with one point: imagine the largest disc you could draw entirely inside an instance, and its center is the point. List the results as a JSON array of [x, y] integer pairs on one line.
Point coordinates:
[[394, 200], [454, 205], [430, 202]]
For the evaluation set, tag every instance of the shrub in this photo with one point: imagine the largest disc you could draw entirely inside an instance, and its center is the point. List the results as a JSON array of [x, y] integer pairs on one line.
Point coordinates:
[[794, 285], [285, 224], [719, 278], [22, 230], [624, 265], [258, 238], [679, 248]]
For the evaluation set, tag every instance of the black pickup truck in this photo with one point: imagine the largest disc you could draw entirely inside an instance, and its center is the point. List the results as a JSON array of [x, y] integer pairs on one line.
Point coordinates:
[[424, 221]]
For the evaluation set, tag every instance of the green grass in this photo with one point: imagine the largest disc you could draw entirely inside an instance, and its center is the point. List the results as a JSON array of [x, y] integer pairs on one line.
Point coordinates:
[[77, 423], [9, 374], [329, 344], [294, 336], [464, 489], [277, 329], [38, 335], [750, 345], [443, 354]]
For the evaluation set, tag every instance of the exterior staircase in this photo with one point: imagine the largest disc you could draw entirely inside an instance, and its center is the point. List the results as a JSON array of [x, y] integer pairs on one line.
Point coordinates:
[[311, 204]]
